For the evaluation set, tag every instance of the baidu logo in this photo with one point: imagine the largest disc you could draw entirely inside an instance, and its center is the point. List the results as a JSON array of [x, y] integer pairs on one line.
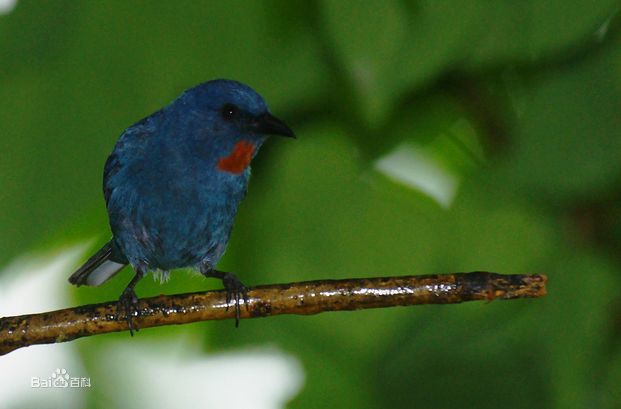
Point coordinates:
[[60, 379]]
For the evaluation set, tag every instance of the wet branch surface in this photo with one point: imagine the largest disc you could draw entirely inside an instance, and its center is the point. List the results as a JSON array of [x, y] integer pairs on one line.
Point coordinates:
[[304, 298]]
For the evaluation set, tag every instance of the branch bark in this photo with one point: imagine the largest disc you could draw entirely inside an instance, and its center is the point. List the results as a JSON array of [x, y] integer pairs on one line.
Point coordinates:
[[304, 298]]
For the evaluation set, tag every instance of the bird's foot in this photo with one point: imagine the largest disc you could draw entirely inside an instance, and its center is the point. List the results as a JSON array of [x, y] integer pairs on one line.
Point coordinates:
[[234, 289], [127, 307]]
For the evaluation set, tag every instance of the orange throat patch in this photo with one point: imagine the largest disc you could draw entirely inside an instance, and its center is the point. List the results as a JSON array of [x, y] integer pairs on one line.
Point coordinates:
[[239, 158]]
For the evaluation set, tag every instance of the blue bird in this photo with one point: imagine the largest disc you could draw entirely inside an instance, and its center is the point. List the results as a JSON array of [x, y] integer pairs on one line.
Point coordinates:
[[172, 186]]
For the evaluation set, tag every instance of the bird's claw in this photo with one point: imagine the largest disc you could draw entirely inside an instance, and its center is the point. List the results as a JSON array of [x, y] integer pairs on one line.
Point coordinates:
[[234, 288], [127, 307]]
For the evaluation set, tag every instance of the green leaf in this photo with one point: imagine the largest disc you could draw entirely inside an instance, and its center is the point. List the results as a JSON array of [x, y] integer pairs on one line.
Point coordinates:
[[567, 132], [367, 37], [387, 49], [529, 31]]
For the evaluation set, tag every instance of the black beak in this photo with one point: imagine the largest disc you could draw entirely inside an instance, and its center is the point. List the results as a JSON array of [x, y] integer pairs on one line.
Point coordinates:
[[268, 124]]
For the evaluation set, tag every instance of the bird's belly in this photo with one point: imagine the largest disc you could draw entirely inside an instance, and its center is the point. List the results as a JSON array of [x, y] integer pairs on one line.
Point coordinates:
[[178, 230]]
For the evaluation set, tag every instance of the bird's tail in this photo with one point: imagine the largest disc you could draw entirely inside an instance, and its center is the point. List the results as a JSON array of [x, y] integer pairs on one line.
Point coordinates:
[[97, 269]]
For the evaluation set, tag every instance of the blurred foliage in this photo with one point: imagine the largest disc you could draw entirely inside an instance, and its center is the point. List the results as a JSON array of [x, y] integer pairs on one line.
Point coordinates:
[[540, 85]]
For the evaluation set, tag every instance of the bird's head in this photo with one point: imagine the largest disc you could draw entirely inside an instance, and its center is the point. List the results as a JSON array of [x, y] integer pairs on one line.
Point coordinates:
[[236, 120]]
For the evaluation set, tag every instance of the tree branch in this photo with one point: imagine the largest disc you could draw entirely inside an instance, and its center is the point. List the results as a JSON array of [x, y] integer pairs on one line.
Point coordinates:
[[311, 297]]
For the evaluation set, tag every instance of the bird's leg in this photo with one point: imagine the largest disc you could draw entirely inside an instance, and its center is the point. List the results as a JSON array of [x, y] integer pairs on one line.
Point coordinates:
[[128, 302], [234, 288]]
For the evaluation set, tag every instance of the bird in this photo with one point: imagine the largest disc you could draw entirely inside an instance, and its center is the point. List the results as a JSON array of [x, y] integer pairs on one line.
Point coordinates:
[[172, 186]]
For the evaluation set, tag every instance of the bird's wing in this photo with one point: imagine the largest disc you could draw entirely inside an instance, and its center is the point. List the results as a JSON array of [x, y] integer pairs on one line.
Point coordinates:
[[129, 147], [113, 164]]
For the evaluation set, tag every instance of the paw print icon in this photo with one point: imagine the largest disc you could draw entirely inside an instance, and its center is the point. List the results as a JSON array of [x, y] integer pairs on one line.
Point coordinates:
[[60, 378]]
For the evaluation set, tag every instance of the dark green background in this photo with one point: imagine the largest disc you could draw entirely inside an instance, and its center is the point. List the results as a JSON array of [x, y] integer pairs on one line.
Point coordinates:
[[536, 87]]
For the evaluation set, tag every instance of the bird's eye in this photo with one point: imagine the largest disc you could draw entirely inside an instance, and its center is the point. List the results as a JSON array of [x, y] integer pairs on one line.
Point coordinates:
[[229, 111]]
